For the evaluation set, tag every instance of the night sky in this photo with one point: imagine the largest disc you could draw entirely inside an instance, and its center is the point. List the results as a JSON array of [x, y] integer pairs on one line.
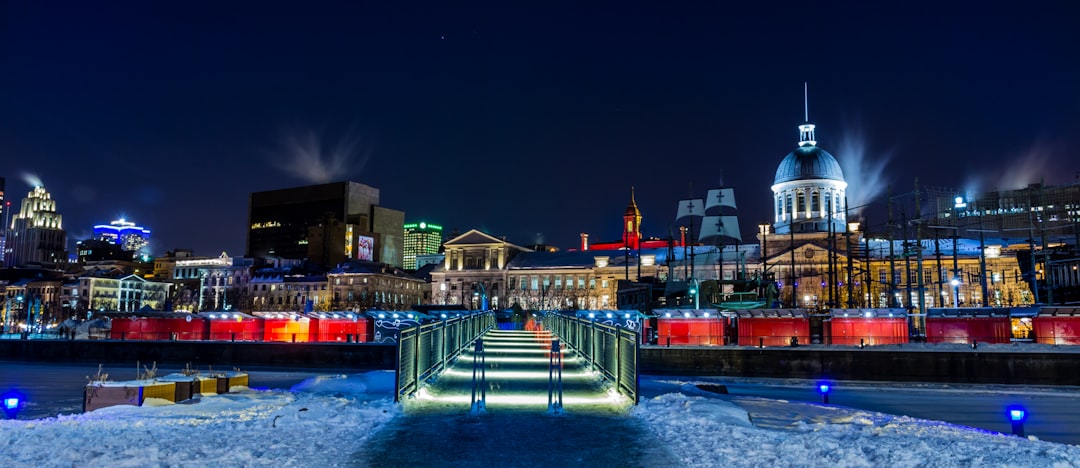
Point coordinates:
[[531, 123]]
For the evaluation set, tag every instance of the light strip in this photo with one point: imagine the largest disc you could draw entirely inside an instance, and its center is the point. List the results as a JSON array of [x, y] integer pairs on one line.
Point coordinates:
[[525, 360], [512, 399], [521, 375], [514, 351]]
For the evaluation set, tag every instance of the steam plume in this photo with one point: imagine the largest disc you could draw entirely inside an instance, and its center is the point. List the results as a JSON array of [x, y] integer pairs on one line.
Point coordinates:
[[864, 173], [306, 155]]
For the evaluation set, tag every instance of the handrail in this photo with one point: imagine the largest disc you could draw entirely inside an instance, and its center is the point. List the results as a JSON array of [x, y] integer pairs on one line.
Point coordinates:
[[427, 349], [479, 379], [555, 379], [611, 350]]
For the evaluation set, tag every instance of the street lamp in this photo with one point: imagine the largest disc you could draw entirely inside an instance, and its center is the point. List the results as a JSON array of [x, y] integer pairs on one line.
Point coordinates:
[[1017, 415], [694, 292]]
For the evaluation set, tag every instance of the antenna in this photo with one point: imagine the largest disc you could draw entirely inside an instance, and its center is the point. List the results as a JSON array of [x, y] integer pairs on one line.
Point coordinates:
[[806, 102]]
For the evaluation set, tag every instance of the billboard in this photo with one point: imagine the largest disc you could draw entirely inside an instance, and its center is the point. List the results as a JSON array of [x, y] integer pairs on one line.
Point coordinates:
[[365, 248]]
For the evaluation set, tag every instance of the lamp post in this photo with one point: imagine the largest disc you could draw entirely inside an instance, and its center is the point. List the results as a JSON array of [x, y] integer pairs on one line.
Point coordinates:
[[695, 293], [763, 231]]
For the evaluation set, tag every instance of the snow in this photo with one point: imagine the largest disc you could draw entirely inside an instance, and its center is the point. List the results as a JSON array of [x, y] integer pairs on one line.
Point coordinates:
[[328, 420], [303, 426], [708, 430]]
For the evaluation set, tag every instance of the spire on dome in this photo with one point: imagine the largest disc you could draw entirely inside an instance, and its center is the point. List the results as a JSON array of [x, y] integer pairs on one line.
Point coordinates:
[[806, 130]]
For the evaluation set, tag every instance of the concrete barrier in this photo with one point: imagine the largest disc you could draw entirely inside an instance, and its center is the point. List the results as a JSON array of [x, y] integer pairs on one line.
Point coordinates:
[[865, 364]]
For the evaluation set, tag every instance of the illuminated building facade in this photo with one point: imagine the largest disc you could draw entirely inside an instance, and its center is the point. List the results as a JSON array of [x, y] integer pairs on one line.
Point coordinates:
[[36, 234], [127, 235], [482, 269], [116, 291], [211, 283], [1033, 210], [808, 190], [4, 209], [359, 285], [280, 222], [275, 290], [421, 239]]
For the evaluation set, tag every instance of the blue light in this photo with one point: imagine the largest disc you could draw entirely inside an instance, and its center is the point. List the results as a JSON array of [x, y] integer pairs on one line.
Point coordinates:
[[1017, 413], [11, 403], [823, 388]]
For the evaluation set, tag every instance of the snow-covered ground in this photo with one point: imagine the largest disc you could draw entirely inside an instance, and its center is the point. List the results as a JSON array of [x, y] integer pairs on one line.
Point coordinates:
[[704, 429], [326, 421], [319, 422]]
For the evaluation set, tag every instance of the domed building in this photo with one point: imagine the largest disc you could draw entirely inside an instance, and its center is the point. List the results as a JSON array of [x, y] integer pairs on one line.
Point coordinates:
[[808, 191]]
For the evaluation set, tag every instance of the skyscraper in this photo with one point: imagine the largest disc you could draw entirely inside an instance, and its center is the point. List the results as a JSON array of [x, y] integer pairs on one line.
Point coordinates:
[[37, 234], [279, 223], [126, 234], [4, 218], [421, 239]]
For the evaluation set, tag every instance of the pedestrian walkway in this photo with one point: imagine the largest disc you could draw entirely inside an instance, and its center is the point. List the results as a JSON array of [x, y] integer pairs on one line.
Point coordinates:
[[517, 428], [517, 377]]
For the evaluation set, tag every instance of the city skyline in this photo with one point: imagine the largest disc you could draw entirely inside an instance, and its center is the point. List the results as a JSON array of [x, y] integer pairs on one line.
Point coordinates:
[[528, 123]]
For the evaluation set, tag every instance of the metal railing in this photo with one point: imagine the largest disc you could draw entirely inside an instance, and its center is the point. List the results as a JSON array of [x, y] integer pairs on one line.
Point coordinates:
[[611, 350], [555, 380], [479, 379], [426, 350]]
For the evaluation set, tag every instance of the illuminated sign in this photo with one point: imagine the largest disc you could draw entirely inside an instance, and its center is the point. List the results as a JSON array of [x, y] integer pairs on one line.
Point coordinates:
[[268, 224], [422, 225], [365, 248]]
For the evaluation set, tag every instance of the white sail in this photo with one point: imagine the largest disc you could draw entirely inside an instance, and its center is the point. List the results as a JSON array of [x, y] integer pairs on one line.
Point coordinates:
[[720, 201], [716, 229], [690, 208]]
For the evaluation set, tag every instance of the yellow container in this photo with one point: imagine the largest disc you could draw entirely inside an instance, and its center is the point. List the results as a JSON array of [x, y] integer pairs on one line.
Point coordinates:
[[162, 390]]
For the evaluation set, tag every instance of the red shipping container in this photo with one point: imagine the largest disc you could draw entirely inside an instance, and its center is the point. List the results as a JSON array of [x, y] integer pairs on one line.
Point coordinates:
[[966, 326], [773, 327], [326, 328], [1057, 325], [287, 329], [697, 329], [167, 326], [853, 327], [188, 328], [234, 326]]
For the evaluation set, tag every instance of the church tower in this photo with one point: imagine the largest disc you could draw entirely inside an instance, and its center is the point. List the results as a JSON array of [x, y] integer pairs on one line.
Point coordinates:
[[632, 224]]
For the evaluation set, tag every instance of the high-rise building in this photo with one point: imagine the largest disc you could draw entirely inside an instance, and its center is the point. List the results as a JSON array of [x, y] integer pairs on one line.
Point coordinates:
[[280, 224], [36, 233], [421, 239], [127, 235], [4, 217]]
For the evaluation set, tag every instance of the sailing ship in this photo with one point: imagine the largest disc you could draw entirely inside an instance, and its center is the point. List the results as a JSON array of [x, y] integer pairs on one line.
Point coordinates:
[[717, 222]]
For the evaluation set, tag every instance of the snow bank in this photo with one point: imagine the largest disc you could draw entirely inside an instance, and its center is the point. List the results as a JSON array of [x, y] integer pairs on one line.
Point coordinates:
[[305, 427], [709, 430]]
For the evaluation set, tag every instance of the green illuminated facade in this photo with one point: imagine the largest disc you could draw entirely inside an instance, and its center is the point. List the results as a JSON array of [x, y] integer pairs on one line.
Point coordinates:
[[421, 239]]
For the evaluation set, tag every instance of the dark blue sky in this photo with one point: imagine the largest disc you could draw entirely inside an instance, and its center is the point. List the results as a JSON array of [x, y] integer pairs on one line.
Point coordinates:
[[518, 121]]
